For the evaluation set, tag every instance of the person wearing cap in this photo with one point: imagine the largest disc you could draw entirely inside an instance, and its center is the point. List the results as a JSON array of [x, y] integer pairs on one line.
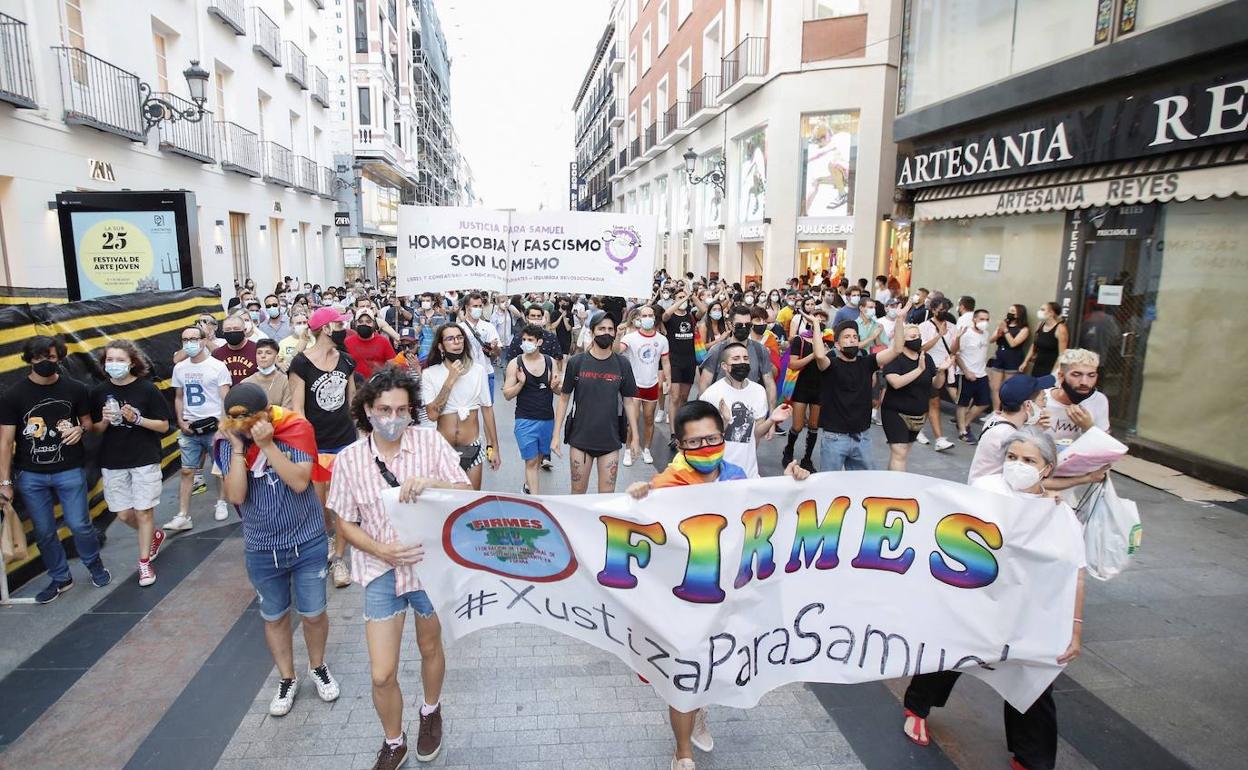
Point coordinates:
[[1022, 403], [369, 349], [321, 386], [408, 353], [269, 455]]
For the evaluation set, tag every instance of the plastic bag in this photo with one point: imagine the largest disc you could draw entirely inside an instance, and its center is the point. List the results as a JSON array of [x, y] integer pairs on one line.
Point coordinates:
[[12, 536], [1113, 532]]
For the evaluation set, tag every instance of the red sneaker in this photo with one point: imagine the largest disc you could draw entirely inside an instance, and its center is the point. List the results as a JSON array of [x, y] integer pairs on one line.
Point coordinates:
[[158, 537]]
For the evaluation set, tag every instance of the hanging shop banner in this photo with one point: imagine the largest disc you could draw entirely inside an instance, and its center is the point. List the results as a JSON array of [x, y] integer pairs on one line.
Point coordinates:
[[445, 248], [123, 242], [718, 594]]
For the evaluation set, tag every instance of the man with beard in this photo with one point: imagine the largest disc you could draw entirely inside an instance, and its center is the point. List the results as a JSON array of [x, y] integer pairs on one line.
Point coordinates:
[[1076, 406], [745, 409]]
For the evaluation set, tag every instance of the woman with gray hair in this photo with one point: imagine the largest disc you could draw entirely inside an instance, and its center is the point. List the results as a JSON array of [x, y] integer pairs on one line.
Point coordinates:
[[1030, 736]]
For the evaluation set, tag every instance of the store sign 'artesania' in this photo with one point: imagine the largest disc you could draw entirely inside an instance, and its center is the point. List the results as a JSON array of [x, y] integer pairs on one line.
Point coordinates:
[[1134, 125], [445, 248], [721, 593]]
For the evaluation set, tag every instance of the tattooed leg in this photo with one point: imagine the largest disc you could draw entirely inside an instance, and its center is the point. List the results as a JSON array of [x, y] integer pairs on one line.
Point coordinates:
[[580, 465], [608, 465]]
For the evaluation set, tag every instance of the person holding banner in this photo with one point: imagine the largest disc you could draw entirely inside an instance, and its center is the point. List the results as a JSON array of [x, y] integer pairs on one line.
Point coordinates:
[[454, 388], [593, 431], [700, 435], [1031, 736]]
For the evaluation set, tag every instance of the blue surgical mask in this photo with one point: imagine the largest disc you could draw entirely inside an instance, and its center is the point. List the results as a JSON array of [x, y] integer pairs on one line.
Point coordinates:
[[647, 323], [274, 312], [117, 369], [267, 370], [190, 348], [528, 347]]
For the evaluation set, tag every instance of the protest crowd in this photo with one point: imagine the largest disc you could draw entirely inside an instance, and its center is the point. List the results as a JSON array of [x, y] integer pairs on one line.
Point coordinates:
[[300, 406]]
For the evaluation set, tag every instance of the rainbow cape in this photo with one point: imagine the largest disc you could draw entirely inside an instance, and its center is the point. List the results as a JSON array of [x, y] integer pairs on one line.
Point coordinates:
[[789, 382], [699, 345]]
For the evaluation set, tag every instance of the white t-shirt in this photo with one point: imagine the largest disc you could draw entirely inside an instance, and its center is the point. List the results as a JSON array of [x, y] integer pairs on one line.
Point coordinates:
[[645, 352], [747, 406], [973, 352], [1064, 429], [469, 393], [938, 352], [966, 320], [201, 387], [990, 451], [488, 334]]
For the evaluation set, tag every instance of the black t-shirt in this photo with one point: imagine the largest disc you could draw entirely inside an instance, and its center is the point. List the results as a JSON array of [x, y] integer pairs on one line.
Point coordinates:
[[680, 332], [615, 307], [325, 400], [809, 376], [597, 387], [913, 398], [845, 395], [41, 414], [127, 445]]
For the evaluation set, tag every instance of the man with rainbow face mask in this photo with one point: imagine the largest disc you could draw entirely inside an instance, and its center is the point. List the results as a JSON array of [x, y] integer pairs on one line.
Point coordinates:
[[699, 430]]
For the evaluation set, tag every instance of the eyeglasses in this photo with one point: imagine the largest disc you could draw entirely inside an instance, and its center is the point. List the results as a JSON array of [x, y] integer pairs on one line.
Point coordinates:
[[386, 412], [457, 338], [714, 439]]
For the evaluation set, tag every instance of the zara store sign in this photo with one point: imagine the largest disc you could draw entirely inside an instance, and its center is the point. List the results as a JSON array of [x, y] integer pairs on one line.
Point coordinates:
[[1197, 113]]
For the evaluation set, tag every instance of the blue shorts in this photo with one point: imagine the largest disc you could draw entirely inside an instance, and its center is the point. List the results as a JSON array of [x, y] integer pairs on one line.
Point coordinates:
[[533, 437], [194, 449], [380, 603], [975, 392], [274, 573]]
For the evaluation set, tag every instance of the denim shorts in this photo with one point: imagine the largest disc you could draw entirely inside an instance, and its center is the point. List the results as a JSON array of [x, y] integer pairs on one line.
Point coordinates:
[[302, 568], [194, 449], [380, 603]]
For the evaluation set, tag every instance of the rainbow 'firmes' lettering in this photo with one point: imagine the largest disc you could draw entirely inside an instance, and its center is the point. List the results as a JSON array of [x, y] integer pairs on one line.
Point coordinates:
[[621, 548], [953, 538], [963, 557]]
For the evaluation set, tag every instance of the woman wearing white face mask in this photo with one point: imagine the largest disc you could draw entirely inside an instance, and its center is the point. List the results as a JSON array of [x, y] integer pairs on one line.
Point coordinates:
[[1022, 404], [1029, 457]]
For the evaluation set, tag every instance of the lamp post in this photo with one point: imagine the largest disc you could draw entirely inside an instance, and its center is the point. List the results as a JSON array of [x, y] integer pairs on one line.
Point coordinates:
[[715, 175], [156, 109]]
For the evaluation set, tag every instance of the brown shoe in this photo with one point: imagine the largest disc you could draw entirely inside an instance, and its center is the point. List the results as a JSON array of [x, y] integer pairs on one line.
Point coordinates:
[[429, 742], [390, 758]]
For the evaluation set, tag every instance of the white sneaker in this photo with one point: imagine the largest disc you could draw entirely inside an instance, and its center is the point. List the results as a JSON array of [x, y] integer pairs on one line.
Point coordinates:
[[284, 699], [179, 523], [942, 444], [222, 511], [646, 457], [326, 685], [702, 738], [628, 458], [683, 764], [659, 417], [875, 417], [922, 438]]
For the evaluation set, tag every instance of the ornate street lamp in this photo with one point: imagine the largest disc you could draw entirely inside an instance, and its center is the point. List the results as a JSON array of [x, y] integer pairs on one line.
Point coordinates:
[[715, 176], [156, 109]]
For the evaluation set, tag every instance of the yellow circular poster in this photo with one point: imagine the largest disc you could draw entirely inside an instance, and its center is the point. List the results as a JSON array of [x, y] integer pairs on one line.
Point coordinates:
[[115, 255]]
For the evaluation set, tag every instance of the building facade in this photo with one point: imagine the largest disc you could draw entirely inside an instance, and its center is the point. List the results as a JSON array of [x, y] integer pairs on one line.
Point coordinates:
[[259, 161], [1101, 162], [788, 106], [393, 140], [599, 110]]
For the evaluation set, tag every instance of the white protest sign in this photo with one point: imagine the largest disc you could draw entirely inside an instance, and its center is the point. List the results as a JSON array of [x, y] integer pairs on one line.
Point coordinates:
[[720, 593], [445, 248]]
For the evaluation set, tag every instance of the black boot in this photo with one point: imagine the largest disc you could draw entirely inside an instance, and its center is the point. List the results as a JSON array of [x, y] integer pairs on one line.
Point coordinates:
[[786, 456], [811, 437]]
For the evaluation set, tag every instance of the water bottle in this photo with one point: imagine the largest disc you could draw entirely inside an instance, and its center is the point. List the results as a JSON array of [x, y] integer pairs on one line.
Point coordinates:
[[111, 405]]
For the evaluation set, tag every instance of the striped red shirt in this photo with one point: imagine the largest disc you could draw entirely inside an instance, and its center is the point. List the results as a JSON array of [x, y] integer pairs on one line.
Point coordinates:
[[356, 487]]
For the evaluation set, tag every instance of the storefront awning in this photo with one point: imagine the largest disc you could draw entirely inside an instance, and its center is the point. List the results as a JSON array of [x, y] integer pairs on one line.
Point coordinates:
[[1215, 172]]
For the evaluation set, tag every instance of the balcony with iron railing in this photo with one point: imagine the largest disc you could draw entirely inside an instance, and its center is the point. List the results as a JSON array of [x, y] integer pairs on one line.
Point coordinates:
[[231, 13], [296, 65], [703, 101], [99, 94], [615, 115], [635, 149], [615, 57], [320, 86], [266, 37], [325, 182], [239, 149], [621, 168], [745, 69], [674, 121], [17, 76], [182, 137], [279, 164], [305, 174]]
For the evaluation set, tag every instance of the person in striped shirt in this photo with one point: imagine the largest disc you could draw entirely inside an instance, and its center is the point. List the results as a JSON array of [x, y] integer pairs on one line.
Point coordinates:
[[394, 453]]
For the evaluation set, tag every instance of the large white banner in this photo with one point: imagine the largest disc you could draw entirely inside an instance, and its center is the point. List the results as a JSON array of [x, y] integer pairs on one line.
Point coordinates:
[[719, 593], [444, 248]]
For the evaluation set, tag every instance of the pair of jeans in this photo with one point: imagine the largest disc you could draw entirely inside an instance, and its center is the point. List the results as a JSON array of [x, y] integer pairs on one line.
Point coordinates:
[[299, 570], [845, 451], [70, 490]]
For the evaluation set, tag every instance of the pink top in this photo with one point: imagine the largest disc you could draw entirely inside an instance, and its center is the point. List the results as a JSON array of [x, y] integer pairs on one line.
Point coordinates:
[[356, 487]]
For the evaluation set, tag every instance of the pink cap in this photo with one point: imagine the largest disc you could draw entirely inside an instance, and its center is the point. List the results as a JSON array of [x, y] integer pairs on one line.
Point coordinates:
[[325, 315]]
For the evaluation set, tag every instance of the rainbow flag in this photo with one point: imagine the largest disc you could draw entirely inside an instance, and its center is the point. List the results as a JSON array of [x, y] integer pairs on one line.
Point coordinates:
[[699, 345], [790, 377]]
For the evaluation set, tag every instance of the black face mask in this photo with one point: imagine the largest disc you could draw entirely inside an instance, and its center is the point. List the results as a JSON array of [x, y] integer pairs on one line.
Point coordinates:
[[915, 345], [449, 356], [1074, 395], [44, 368], [849, 351], [339, 336], [739, 372], [364, 330], [740, 332], [604, 341], [759, 328], [234, 338]]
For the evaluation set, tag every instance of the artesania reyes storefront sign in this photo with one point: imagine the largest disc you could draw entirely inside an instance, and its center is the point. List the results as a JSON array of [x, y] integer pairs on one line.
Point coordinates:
[[1207, 111]]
